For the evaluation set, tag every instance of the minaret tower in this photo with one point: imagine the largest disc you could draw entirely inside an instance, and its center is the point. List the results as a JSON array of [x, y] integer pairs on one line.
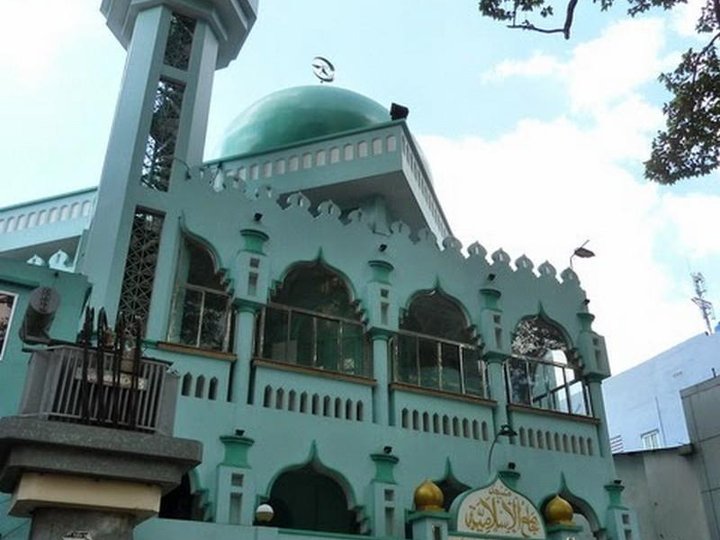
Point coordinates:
[[157, 137]]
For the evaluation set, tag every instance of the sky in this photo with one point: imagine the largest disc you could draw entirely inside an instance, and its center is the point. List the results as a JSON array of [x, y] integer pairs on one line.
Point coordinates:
[[536, 143]]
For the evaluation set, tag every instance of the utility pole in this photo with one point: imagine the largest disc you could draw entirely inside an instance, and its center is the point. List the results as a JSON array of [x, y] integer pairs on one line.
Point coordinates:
[[706, 307]]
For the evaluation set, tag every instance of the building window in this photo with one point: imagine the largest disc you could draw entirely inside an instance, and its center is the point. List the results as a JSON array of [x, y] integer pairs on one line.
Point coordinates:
[[312, 321], [542, 372], [201, 315], [139, 276], [161, 140], [435, 348], [7, 308], [179, 42], [651, 440]]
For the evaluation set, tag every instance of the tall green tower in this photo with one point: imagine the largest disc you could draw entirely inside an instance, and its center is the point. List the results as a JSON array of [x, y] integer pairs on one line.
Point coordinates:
[[158, 135]]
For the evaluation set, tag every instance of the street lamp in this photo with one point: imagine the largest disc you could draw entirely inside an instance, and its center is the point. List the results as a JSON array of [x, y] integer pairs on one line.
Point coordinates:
[[582, 252]]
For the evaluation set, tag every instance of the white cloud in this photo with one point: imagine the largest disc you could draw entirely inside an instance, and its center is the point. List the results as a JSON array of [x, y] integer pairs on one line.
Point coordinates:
[[545, 187], [601, 71], [685, 17], [40, 28], [537, 65], [694, 218]]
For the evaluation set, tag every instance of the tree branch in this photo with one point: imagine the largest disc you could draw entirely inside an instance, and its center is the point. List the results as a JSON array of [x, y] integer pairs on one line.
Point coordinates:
[[565, 30]]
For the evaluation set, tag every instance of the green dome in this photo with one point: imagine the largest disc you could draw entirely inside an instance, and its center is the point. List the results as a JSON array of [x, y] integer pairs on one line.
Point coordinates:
[[298, 114]]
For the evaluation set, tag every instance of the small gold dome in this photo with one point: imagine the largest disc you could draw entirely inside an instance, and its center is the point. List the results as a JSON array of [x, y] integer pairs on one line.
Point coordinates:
[[428, 497], [559, 512]]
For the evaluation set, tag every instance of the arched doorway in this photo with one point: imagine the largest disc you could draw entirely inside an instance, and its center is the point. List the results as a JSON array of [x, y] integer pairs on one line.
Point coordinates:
[[307, 499]]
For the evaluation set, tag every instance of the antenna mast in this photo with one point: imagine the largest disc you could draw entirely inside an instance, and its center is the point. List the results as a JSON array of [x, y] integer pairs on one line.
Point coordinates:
[[706, 307]]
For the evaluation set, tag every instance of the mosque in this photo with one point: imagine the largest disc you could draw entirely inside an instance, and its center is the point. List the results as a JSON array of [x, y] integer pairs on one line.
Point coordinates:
[[349, 369]]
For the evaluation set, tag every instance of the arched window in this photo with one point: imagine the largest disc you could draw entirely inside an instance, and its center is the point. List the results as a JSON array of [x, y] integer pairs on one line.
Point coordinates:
[[312, 321], [543, 372], [212, 389], [200, 387], [201, 308], [436, 348], [307, 499], [187, 384]]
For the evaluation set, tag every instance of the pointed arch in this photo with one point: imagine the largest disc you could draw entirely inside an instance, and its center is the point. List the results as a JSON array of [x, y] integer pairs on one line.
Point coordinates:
[[544, 370], [201, 314], [317, 273], [450, 486], [437, 345], [328, 493], [580, 506], [435, 313], [313, 320]]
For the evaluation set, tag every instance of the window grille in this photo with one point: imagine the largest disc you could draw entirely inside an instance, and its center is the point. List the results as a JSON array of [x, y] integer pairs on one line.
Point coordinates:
[[140, 265], [161, 140], [179, 42]]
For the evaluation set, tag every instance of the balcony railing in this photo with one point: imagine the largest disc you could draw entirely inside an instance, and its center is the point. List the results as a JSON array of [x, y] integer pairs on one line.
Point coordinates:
[[306, 338], [546, 385], [439, 364], [108, 383]]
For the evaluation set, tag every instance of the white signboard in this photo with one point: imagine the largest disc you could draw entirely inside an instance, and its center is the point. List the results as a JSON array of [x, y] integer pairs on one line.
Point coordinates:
[[7, 308], [497, 511]]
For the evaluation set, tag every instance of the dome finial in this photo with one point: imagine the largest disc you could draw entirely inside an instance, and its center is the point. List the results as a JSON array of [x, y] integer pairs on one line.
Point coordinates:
[[558, 512], [323, 69], [428, 497]]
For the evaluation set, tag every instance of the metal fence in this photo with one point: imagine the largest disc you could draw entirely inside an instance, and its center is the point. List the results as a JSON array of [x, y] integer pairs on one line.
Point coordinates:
[[103, 381]]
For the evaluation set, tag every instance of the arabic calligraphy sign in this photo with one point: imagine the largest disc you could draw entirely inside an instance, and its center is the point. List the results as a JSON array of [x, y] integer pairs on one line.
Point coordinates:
[[496, 510]]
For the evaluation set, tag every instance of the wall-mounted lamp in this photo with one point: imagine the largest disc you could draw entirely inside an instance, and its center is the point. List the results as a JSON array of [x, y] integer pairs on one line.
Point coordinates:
[[257, 217], [239, 432], [491, 277], [264, 514], [505, 431], [387, 449], [383, 248]]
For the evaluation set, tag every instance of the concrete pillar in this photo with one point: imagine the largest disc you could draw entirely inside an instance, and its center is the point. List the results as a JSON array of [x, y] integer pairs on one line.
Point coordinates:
[[387, 513], [381, 372], [496, 388], [598, 406], [245, 337]]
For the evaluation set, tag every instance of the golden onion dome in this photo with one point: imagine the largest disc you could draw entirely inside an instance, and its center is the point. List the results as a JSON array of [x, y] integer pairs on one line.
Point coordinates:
[[559, 512], [428, 497]]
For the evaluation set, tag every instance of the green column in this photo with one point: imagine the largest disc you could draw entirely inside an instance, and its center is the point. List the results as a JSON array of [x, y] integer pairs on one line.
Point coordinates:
[[496, 387], [245, 335], [598, 407], [381, 372]]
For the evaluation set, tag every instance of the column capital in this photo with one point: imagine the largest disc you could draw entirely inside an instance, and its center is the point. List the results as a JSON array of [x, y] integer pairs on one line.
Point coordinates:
[[247, 306], [384, 467], [494, 357], [377, 333]]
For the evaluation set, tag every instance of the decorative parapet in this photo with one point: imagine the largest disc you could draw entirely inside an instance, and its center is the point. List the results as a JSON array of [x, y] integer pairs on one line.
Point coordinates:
[[336, 157]]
